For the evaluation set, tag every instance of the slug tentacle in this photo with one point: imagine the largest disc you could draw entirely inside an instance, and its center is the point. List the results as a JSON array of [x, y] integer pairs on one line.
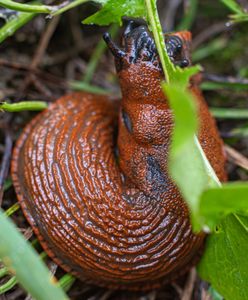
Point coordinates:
[[115, 220], [116, 51]]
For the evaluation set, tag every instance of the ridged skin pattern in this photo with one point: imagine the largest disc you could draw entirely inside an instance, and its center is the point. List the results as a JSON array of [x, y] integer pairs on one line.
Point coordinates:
[[103, 207]]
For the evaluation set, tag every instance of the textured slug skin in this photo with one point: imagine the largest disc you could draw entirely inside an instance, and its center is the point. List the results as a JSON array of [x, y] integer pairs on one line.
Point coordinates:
[[115, 220]]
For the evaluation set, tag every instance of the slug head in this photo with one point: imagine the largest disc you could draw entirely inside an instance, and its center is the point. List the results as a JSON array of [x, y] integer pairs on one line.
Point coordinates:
[[145, 120]]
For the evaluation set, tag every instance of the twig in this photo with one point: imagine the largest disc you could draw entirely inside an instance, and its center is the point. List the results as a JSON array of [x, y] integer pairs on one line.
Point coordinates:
[[40, 52], [237, 158], [5, 162], [189, 286], [209, 33], [170, 14], [106, 295], [44, 41], [224, 79]]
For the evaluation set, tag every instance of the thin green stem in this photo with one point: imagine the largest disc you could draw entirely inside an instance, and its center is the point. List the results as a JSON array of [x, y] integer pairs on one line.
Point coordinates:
[[3, 272], [14, 24], [97, 54], [24, 105], [66, 282], [12, 209], [229, 113], [8, 285], [233, 6], [68, 6], [34, 8], [19, 257], [209, 85], [189, 16], [82, 86], [153, 20]]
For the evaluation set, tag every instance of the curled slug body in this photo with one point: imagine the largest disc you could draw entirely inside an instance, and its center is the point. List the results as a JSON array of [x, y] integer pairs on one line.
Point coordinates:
[[115, 220]]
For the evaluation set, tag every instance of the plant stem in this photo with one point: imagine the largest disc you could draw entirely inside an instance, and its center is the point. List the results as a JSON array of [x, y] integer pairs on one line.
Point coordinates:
[[153, 20], [14, 24], [34, 8], [190, 15], [67, 7], [12, 209], [24, 105], [82, 86], [66, 282], [229, 113], [8, 285]]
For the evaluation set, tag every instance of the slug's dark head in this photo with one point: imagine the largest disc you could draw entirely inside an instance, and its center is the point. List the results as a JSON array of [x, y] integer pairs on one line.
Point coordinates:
[[139, 46]]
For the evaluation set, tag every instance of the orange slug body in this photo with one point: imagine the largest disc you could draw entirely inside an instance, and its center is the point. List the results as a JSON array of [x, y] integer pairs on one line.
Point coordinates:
[[112, 218]]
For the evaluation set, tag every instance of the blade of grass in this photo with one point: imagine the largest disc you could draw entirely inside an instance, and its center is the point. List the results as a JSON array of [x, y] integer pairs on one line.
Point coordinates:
[[82, 86], [153, 21], [14, 24], [211, 48], [229, 113], [32, 8], [23, 105], [189, 16], [66, 7], [211, 86], [12, 209], [233, 6], [20, 258], [8, 285], [66, 282], [3, 272]]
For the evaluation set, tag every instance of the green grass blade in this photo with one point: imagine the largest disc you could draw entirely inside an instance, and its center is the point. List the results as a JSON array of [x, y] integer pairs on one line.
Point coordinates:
[[8, 285], [71, 5], [66, 282], [213, 86], [22, 261], [153, 21], [229, 113], [12, 209], [32, 8], [233, 6], [190, 15], [23, 105], [14, 24], [209, 49], [83, 86]]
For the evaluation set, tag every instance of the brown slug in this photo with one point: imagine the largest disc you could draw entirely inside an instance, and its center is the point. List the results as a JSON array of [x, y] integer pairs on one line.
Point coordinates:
[[91, 175]]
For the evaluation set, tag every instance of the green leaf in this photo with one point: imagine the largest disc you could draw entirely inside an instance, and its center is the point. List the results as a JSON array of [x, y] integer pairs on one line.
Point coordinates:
[[217, 203], [224, 262], [21, 260], [185, 162], [233, 6], [113, 10], [183, 109]]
